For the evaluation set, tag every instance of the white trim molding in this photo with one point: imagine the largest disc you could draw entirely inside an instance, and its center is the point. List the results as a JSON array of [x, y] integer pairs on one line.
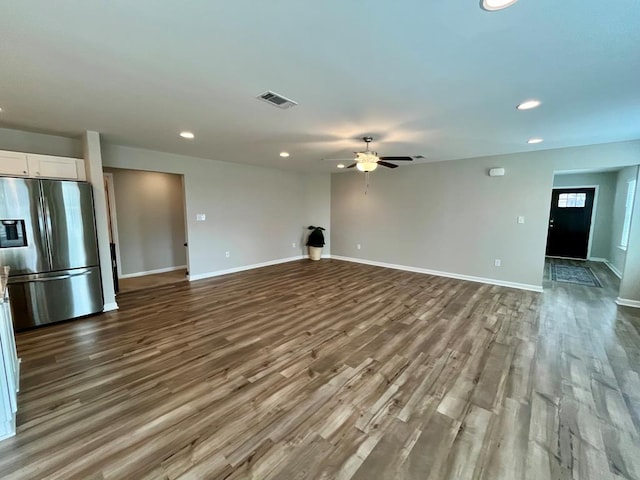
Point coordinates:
[[615, 271], [108, 307], [152, 272], [598, 259], [201, 276], [625, 302], [470, 278]]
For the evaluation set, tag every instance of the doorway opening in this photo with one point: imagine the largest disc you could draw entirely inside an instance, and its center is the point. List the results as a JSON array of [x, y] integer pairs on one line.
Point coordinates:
[[147, 228], [588, 218]]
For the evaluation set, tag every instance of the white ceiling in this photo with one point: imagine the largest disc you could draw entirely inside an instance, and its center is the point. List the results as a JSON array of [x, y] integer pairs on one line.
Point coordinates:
[[437, 78]]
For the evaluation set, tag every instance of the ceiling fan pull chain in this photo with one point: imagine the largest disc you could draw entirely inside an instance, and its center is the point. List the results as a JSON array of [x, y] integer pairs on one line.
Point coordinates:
[[366, 182]]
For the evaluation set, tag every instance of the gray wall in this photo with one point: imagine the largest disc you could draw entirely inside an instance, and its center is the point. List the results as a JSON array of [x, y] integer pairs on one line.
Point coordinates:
[[150, 220], [602, 223], [255, 213], [452, 217], [30, 142], [618, 256]]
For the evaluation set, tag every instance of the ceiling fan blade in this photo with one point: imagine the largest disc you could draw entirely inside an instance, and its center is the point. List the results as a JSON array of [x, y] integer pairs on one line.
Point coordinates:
[[398, 159], [352, 165], [387, 164]]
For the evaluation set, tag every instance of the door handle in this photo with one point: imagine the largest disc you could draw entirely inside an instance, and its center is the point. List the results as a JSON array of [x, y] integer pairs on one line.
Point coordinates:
[[63, 276]]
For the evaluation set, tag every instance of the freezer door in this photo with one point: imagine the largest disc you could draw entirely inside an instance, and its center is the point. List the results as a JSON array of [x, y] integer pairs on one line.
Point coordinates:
[[53, 297], [21, 222], [71, 226]]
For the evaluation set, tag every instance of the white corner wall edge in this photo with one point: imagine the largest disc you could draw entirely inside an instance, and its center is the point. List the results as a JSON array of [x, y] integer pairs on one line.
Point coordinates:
[[152, 272], [201, 276], [615, 271], [457, 276], [108, 307], [624, 302]]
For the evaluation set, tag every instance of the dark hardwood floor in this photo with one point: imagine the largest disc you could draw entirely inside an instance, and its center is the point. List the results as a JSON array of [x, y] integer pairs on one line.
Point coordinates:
[[334, 370]]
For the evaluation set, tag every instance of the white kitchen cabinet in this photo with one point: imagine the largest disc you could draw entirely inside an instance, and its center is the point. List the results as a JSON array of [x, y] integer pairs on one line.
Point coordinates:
[[9, 370], [17, 164], [13, 163], [47, 166]]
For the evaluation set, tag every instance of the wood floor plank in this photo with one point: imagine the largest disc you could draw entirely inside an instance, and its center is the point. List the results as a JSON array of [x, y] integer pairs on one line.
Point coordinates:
[[297, 371]]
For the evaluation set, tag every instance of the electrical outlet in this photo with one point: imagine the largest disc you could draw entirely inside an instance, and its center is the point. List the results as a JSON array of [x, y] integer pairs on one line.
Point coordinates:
[[358, 246], [520, 219], [227, 254], [293, 245], [201, 217], [497, 262]]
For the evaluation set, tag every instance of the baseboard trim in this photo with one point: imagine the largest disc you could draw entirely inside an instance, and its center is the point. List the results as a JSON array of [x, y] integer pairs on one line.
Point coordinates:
[[108, 307], [625, 302], [457, 276], [152, 272], [598, 259], [202, 276], [615, 271]]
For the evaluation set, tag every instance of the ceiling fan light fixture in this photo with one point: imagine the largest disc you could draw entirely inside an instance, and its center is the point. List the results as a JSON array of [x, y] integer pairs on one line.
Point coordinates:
[[367, 166], [495, 5], [367, 161]]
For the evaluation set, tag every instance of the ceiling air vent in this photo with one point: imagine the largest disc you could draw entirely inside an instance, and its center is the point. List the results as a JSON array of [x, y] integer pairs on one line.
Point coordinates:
[[276, 100]]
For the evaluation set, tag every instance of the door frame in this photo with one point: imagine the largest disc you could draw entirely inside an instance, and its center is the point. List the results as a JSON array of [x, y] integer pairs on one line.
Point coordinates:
[[591, 221], [186, 224], [113, 216]]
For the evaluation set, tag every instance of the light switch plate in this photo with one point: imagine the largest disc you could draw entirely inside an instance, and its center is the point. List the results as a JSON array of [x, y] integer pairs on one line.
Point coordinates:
[[520, 219], [201, 217]]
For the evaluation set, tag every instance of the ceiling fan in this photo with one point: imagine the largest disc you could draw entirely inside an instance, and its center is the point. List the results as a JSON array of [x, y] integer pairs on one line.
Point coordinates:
[[368, 160]]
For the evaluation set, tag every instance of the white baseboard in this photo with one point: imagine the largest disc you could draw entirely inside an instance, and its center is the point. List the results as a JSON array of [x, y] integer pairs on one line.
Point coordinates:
[[201, 276], [598, 259], [615, 271], [108, 307], [490, 281], [628, 303], [151, 272]]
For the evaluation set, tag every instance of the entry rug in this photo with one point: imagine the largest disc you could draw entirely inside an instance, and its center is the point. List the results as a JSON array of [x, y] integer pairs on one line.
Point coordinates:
[[571, 274]]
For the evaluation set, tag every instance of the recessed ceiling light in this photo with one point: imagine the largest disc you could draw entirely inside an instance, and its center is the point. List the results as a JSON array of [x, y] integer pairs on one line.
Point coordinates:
[[284, 154], [188, 135], [529, 104], [533, 141], [340, 165], [493, 5]]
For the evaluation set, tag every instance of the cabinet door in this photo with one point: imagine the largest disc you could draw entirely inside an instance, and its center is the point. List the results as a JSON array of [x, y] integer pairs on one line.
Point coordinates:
[[9, 357], [13, 163], [53, 167]]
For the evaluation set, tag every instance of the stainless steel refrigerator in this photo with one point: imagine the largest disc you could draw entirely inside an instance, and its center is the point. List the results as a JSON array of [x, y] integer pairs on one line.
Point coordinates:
[[48, 238]]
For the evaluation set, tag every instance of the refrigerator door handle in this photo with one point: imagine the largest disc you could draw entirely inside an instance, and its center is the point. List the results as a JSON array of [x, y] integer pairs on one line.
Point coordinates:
[[62, 277], [48, 230]]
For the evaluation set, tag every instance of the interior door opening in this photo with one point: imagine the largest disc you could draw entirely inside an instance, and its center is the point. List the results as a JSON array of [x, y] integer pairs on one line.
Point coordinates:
[[147, 228]]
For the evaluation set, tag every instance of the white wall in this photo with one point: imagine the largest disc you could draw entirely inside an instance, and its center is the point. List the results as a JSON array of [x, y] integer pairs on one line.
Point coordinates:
[[603, 208], [254, 213], [150, 220], [630, 284], [617, 255], [451, 217]]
